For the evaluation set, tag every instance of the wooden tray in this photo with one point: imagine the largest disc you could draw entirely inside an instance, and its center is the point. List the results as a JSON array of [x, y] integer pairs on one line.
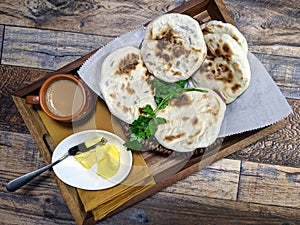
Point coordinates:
[[201, 10]]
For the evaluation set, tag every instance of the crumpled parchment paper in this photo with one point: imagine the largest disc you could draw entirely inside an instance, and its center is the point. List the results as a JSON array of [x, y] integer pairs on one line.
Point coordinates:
[[262, 104]]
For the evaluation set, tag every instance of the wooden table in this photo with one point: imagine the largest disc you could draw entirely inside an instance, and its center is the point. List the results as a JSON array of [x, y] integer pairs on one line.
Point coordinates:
[[260, 184]]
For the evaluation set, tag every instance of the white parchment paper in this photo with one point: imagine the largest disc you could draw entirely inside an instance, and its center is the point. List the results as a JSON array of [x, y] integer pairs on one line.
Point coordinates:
[[262, 104]]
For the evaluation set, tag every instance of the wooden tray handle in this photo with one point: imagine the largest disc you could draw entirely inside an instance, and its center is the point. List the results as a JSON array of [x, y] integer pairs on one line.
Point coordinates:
[[32, 99]]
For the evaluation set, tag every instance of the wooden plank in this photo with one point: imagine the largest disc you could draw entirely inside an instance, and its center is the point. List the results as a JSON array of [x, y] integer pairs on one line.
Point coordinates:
[[285, 72], [281, 147], [40, 199], [1, 40], [270, 185], [11, 80], [160, 204], [21, 152], [220, 180], [205, 183], [181, 209], [265, 28], [46, 49], [94, 17], [13, 218], [271, 27]]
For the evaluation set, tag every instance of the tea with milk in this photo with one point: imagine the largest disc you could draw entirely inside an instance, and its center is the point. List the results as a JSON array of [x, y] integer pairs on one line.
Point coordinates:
[[64, 98]]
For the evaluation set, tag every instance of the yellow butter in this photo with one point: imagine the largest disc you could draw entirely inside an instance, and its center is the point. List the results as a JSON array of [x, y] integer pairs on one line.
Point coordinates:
[[86, 159], [89, 143], [107, 158], [108, 166]]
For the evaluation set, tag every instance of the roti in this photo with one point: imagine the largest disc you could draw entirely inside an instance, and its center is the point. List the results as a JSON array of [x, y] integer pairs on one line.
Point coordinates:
[[218, 27], [125, 84], [173, 47], [226, 68], [193, 121]]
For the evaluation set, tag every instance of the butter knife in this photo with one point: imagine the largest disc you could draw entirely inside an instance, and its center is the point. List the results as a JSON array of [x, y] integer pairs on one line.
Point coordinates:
[[22, 180]]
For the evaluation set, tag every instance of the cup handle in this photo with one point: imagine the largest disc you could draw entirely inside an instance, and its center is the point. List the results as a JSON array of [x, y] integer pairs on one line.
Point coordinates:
[[32, 99]]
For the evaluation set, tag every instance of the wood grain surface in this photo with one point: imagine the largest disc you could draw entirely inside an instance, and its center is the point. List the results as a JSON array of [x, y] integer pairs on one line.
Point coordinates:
[[258, 180], [285, 72], [257, 185], [1, 39], [12, 79], [46, 49], [281, 147], [84, 16], [272, 26]]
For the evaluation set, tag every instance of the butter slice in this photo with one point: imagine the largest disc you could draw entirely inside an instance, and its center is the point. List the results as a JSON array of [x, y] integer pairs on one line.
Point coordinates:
[[109, 164], [86, 159], [89, 143], [106, 156]]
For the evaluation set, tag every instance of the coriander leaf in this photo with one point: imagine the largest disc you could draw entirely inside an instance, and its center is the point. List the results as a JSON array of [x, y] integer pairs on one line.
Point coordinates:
[[146, 125], [151, 128], [133, 145], [181, 83], [159, 100], [160, 120], [147, 110]]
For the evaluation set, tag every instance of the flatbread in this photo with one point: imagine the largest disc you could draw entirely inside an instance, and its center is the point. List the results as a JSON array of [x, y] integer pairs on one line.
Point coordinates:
[[193, 121], [173, 47], [218, 27], [125, 84], [226, 68]]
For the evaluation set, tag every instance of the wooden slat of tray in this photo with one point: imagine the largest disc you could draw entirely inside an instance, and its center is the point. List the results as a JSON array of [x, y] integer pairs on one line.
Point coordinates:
[[202, 10]]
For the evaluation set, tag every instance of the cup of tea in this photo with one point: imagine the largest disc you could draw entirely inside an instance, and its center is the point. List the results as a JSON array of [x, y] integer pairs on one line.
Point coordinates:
[[63, 97]]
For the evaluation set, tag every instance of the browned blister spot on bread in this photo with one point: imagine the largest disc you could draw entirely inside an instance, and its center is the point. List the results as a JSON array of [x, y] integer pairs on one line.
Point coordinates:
[[206, 30], [235, 38], [195, 121], [183, 101], [130, 90], [185, 118], [235, 87], [171, 138], [226, 48], [127, 64], [169, 47], [113, 95]]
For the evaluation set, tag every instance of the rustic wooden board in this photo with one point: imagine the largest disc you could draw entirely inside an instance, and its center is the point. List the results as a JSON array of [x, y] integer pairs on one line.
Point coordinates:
[[47, 49], [11, 80], [184, 173], [198, 196], [23, 156], [226, 172], [1, 39], [258, 180], [85, 16], [272, 25], [280, 148], [200, 199], [285, 72], [268, 20], [202, 210]]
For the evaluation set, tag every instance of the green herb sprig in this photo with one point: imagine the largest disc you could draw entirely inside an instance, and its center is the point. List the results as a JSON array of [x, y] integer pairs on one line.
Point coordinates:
[[146, 124]]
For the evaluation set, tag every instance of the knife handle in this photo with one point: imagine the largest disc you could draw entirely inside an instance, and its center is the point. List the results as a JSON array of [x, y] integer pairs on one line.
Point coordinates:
[[22, 180]]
